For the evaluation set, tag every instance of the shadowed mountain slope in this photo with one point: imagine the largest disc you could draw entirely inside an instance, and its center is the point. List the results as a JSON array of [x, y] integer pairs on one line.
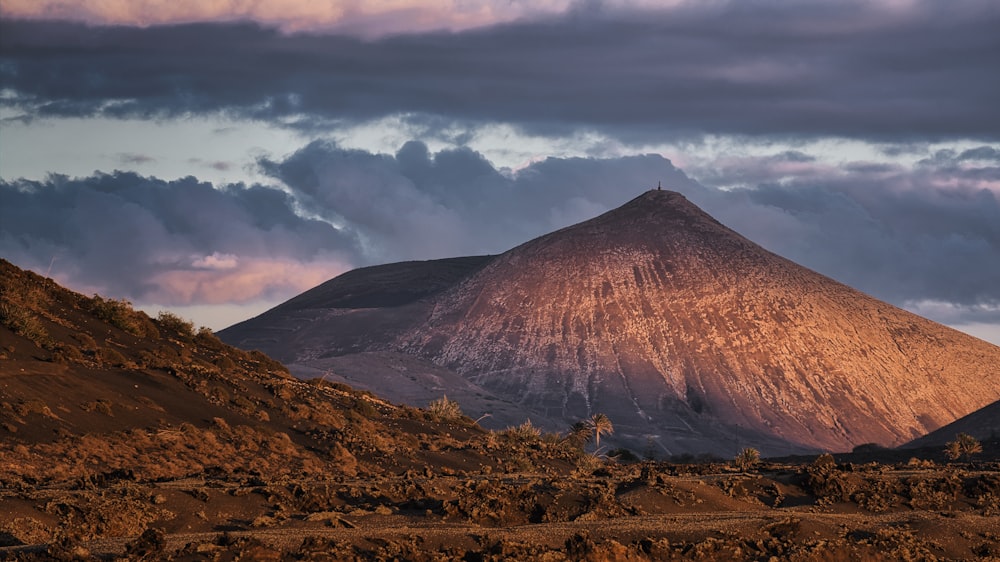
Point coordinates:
[[982, 424], [358, 311], [689, 336]]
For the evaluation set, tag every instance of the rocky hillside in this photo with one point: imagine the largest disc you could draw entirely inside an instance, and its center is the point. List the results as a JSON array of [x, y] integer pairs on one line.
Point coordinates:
[[91, 387], [691, 337]]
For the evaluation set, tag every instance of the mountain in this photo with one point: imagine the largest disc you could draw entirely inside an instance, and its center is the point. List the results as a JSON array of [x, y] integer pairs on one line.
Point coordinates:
[[982, 424], [688, 336]]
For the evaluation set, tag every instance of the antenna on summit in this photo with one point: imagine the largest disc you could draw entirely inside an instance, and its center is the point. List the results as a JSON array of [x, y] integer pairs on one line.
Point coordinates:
[[659, 187]]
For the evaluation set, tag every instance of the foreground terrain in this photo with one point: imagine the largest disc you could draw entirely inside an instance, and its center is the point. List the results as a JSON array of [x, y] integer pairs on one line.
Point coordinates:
[[644, 511], [123, 436]]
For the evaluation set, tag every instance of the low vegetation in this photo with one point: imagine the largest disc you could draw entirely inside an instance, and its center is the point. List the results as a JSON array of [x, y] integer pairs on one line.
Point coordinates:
[[175, 324], [747, 459], [964, 446], [176, 446], [444, 409]]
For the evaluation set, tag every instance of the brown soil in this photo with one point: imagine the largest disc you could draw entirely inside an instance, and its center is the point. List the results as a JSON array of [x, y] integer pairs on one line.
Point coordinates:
[[644, 511]]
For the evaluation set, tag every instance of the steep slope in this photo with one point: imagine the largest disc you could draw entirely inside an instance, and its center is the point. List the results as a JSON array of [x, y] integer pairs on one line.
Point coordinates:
[[89, 386], [982, 424], [685, 332]]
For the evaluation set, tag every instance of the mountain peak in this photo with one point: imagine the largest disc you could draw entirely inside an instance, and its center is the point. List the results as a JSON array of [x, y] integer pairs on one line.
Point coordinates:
[[686, 334]]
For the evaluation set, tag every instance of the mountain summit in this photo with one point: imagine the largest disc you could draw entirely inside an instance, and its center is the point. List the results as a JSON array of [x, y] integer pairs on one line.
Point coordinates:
[[689, 336]]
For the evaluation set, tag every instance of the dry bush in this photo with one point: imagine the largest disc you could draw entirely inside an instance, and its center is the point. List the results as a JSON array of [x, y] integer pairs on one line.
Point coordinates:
[[110, 356], [747, 459], [444, 409], [364, 407], [208, 340], [525, 433], [62, 353], [103, 406], [22, 321], [176, 324], [118, 313], [224, 363], [827, 482], [267, 363], [964, 445], [218, 395], [85, 340]]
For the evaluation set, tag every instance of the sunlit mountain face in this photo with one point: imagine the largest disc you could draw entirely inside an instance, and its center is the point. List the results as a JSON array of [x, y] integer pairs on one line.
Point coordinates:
[[687, 334]]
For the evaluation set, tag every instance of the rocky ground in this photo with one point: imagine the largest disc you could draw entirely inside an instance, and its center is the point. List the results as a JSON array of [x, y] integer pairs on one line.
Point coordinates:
[[128, 437], [596, 510]]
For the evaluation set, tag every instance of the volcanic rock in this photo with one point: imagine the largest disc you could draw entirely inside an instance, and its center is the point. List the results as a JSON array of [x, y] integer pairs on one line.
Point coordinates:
[[690, 337]]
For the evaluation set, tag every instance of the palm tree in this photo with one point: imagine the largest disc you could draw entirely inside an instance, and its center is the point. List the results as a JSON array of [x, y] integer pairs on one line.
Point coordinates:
[[747, 459], [579, 434], [600, 425]]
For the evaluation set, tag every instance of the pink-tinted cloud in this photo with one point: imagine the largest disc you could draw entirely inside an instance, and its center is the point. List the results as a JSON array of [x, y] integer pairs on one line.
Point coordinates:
[[241, 281], [356, 17]]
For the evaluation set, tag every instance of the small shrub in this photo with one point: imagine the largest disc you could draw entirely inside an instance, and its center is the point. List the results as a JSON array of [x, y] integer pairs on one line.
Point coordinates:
[[103, 406], [67, 354], [526, 432], [86, 341], [224, 363], [218, 395], [111, 357], [23, 322], [622, 454], [747, 459], [964, 445], [365, 408], [267, 363], [207, 339], [170, 321], [444, 409], [118, 313]]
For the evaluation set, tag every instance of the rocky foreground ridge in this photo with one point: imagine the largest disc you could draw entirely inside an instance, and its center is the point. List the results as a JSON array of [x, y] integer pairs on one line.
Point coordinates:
[[689, 336]]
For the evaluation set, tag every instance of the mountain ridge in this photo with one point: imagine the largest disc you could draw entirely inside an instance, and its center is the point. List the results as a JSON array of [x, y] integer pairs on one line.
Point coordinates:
[[686, 334]]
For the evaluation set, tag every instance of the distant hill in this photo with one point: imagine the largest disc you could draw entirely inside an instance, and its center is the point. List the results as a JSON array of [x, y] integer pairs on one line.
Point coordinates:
[[690, 337], [982, 424]]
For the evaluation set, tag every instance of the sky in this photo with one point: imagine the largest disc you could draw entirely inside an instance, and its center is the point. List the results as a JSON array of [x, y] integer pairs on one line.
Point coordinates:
[[217, 157]]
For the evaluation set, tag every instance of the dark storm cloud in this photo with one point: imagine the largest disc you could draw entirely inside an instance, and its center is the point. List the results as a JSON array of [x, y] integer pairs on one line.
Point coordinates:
[[904, 235], [926, 70], [177, 242], [927, 237], [187, 242], [419, 205], [931, 233]]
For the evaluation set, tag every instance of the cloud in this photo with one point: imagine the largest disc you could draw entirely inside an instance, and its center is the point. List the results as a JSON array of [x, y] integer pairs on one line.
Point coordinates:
[[174, 243], [927, 237], [419, 205], [216, 261], [912, 236], [363, 18], [912, 71], [134, 158]]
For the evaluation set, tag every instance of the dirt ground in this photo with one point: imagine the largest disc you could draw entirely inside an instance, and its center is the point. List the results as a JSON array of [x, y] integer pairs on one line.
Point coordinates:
[[611, 511]]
